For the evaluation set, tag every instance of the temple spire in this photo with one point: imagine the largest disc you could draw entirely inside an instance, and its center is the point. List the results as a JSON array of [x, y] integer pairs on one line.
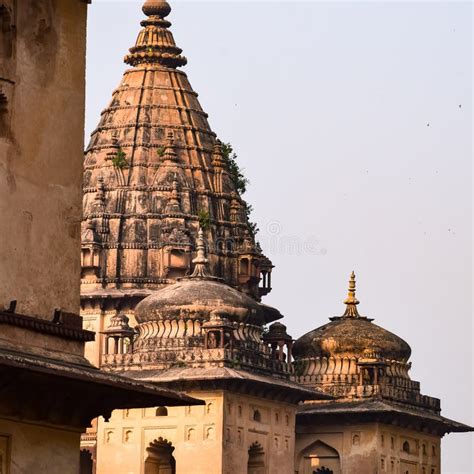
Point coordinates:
[[155, 43], [201, 261], [351, 301]]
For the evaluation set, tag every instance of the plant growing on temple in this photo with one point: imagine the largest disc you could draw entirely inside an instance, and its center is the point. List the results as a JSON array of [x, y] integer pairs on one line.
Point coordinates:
[[240, 181], [119, 160], [236, 173], [204, 220], [161, 151]]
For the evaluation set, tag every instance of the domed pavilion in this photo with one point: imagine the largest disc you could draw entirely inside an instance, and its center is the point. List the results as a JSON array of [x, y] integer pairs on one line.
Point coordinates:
[[378, 418]]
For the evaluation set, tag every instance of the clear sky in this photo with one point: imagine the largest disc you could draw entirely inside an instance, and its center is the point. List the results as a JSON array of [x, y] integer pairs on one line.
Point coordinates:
[[353, 122]]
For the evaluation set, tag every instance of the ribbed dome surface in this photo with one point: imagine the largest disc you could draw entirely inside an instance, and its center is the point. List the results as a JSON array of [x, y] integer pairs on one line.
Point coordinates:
[[199, 298], [351, 337]]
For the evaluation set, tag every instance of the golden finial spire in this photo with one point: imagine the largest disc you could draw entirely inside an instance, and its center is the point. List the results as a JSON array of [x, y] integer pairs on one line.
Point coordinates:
[[351, 301]]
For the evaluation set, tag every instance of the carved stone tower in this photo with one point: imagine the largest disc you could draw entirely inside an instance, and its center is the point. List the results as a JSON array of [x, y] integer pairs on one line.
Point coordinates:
[[154, 172]]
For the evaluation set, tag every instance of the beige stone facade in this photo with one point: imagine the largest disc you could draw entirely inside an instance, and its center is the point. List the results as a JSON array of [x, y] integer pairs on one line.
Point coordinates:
[[49, 392], [42, 96], [367, 448], [210, 439]]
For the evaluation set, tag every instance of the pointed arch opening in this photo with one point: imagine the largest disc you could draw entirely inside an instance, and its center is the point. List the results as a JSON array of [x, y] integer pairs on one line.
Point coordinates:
[[86, 465], [160, 458], [319, 458], [256, 461]]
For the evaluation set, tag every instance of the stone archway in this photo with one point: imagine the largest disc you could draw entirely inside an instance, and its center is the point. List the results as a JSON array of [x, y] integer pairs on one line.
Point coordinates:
[[86, 462], [319, 458], [160, 458], [256, 461]]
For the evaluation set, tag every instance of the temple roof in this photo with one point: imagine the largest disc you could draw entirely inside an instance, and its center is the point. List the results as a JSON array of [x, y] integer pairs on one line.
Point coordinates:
[[230, 379], [377, 410], [154, 172], [352, 335]]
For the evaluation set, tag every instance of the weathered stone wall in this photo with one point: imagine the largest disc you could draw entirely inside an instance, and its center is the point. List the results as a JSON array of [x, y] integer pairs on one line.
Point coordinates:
[[369, 448], [42, 50], [210, 439], [39, 449]]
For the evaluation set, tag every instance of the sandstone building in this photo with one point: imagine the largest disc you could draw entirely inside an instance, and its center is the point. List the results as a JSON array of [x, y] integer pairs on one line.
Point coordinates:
[[172, 280], [49, 392]]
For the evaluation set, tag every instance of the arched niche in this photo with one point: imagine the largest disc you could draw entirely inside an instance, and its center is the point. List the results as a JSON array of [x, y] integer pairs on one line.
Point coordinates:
[[319, 458], [256, 460], [86, 462], [160, 458]]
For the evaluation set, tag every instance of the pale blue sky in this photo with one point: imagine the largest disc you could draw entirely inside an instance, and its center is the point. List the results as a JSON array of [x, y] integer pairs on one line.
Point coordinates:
[[353, 121]]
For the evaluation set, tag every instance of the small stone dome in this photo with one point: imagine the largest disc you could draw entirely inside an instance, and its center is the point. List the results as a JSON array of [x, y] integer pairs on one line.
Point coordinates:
[[200, 298], [351, 335]]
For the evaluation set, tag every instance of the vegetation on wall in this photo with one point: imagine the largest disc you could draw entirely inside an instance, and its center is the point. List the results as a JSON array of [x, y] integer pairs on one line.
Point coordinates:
[[161, 151], [239, 180], [204, 220], [119, 160]]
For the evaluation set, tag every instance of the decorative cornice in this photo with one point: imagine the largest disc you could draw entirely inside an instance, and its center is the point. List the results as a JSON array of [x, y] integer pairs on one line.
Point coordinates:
[[46, 327]]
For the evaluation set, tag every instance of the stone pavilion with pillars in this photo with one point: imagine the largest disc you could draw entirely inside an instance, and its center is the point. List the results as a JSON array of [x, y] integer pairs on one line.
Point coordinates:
[[377, 421], [172, 280], [205, 337]]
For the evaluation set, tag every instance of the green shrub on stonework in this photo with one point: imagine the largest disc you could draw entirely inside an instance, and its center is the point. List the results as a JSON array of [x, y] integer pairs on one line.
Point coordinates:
[[204, 220], [119, 160], [240, 181], [161, 151]]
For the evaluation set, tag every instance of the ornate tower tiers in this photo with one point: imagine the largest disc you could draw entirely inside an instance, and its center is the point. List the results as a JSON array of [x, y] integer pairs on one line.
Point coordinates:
[[154, 172]]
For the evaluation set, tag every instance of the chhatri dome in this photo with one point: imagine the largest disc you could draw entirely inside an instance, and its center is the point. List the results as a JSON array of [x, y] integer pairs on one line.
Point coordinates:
[[201, 297], [352, 335]]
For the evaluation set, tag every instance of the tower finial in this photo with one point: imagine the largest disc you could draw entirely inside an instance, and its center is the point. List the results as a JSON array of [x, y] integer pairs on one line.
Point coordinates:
[[170, 152], [155, 43], [351, 301], [201, 261], [159, 8]]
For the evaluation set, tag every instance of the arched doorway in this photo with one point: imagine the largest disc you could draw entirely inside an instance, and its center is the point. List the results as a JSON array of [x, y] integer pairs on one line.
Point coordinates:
[[160, 458], [319, 458], [86, 462], [256, 462]]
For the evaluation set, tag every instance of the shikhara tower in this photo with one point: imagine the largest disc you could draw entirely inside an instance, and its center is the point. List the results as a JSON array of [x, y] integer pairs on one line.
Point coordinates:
[[172, 280], [153, 173]]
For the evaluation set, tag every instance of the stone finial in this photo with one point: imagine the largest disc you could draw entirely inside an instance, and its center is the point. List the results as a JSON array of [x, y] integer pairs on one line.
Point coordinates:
[[174, 203], [100, 195], [201, 261], [351, 301], [170, 152], [217, 157], [155, 43], [159, 8]]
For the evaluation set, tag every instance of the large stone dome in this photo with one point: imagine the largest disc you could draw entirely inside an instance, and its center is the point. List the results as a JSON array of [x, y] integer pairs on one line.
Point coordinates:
[[353, 336], [199, 298]]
